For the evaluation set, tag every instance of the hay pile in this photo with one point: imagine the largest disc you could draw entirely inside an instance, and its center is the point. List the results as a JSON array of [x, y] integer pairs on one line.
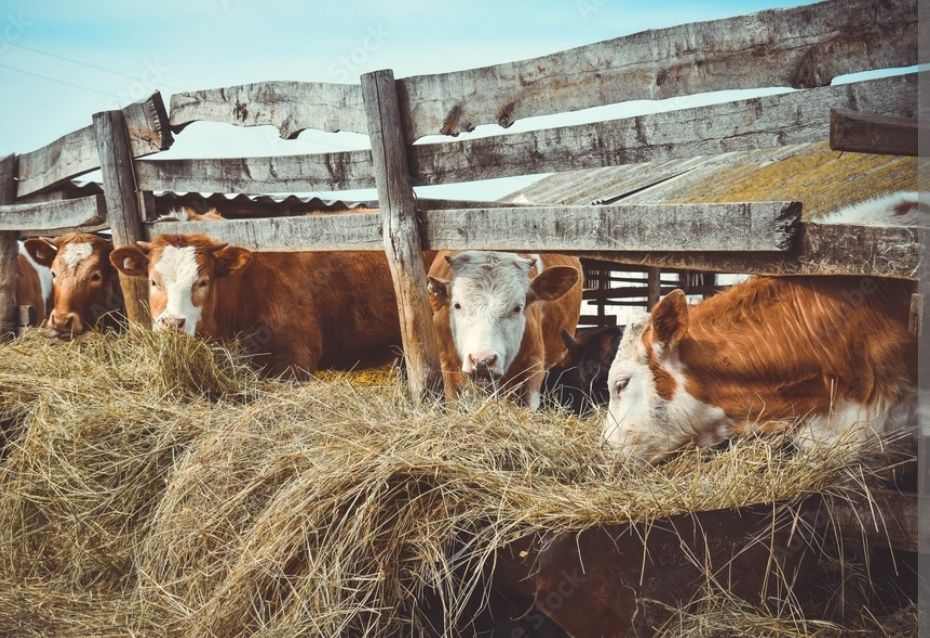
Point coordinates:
[[154, 485]]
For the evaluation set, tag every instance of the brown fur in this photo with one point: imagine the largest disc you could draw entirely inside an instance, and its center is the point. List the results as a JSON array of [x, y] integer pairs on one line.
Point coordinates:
[[29, 288], [541, 347], [784, 348], [297, 311]]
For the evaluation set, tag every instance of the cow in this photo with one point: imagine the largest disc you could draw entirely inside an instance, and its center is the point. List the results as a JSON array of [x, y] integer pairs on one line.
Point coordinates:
[[296, 312], [29, 287], [826, 358], [85, 288], [579, 381], [497, 323]]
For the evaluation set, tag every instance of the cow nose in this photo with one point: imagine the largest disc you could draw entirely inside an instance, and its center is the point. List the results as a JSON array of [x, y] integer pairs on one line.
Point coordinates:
[[171, 323], [482, 365], [65, 321]]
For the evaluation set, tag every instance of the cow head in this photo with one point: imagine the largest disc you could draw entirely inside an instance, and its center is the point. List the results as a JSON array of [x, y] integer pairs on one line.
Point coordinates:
[[488, 297], [85, 287], [592, 354], [182, 271], [651, 411]]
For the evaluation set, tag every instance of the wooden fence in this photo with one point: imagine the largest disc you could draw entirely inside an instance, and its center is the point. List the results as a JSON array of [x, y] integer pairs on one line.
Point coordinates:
[[802, 48]]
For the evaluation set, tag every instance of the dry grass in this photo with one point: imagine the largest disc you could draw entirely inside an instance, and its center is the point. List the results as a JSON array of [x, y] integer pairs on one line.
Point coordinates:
[[154, 485]]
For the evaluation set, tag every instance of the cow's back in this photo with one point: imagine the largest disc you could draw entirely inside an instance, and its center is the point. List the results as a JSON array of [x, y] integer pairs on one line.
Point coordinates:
[[29, 287]]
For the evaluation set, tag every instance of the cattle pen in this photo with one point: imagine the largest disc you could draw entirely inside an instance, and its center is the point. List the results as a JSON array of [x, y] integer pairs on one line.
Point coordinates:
[[803, 49]]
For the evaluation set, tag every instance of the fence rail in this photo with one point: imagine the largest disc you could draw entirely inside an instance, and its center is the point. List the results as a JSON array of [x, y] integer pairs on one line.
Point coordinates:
[[803, 47]]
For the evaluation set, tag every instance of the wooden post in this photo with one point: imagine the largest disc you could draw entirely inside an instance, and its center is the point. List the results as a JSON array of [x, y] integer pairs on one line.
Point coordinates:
[[9, 314], [123, 212], [653, 287], [401, 232]]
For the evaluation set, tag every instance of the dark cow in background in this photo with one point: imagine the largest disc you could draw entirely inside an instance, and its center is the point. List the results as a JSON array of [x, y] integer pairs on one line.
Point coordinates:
[[498, 318], [579, 381]]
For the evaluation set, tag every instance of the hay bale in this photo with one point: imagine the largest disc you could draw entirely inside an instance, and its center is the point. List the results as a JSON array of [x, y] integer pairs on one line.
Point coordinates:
[[162, 474]]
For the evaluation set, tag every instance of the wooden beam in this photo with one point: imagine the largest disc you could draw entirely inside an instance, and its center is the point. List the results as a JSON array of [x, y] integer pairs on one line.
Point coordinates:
[[653, 287], [872, 251], [115, 157], [768, 226], [9, 251], [741, 125], [800, 47], [401, 232], [916, 314], [872, 133], [63, 213], [277, 174], [26, 316], [76, 153], [289, 106]]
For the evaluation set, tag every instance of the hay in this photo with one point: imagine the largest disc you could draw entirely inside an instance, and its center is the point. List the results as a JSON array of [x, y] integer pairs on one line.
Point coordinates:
[[160, 475]]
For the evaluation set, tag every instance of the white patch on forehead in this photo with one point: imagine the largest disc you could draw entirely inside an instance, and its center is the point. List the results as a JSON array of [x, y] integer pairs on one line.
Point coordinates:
[[73, 254], [178, 269]]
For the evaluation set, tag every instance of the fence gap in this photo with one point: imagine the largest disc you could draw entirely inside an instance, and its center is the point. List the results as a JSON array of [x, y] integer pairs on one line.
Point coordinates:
[[123, 210], [9, 250], [401, 232]]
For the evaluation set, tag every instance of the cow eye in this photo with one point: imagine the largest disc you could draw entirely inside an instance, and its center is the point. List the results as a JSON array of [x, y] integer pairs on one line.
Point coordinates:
[[621, 383], [96, 277], [517, 309], [202, 283], [153, 284], [457, 305]]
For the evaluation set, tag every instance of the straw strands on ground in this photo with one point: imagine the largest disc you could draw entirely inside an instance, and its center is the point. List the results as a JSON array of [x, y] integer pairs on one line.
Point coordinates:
[[155, 485]]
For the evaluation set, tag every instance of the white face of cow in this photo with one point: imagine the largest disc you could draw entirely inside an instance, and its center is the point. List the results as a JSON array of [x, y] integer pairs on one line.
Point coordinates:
[[650, 411], [488, 296]]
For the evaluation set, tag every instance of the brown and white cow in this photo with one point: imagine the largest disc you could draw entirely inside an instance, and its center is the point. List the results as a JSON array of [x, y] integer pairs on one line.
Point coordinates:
[[295, 311], [497, 323], [29, 287], [830, 358], [85, 288]]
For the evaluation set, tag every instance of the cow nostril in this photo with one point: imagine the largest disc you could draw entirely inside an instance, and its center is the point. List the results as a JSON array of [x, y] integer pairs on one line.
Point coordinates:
[[491, 360]]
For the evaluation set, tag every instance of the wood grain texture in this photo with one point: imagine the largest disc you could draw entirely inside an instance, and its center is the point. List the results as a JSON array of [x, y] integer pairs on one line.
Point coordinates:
[[276, 174], [47, 216], [822, 250], [800, 47], [9, 315], [76, 152], [401, 233], [875, 133], [767, 226], [114, 148], [291, 107], [742, 125]]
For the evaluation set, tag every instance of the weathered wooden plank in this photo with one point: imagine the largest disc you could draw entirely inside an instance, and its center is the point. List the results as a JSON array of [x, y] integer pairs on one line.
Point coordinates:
[[801, 47], [874, 133], [822, 250], [768, 226], [114, 148], [916, 313], [329, 231], [742, 125], [26, 316], [76, 152], [289, 106], [401, 233], [42, 216], [9, 252], [276, 174]]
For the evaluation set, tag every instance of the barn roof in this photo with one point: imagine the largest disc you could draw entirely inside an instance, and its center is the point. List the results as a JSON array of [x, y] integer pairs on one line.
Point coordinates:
[[822, 179]]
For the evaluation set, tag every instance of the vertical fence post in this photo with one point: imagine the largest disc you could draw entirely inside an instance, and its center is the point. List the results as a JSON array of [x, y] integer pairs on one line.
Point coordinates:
[[8, 254], [401, 231], [123, 214], [653, 287]]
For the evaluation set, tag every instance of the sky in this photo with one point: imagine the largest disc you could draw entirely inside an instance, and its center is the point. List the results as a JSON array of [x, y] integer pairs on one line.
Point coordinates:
[[61, 61]]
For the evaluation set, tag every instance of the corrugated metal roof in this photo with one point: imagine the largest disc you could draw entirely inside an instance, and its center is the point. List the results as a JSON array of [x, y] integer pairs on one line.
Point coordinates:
[[822, 179]]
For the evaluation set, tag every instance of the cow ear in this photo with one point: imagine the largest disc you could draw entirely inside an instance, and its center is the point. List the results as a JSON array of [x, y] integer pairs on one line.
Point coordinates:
[[569, 341], [670, 318], [132, 261], [230, 260], [552, 284], [42, 250], [438, 293]]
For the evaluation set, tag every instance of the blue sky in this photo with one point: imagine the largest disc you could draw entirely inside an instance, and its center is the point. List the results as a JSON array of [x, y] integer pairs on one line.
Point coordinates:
[[60, 61]]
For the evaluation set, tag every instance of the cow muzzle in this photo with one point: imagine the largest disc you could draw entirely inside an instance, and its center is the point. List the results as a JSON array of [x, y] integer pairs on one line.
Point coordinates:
[[64, 325], [483, 368], [171, 323]]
